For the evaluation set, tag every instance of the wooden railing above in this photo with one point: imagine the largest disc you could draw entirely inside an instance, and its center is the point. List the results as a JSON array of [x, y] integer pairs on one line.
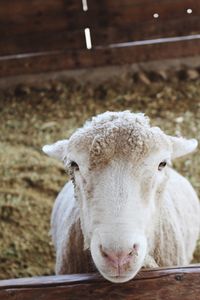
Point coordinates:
[[181, 283], [39, 36]]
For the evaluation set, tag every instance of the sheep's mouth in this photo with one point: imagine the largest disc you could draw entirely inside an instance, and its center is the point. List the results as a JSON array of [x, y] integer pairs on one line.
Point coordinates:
[[113, 274], [116, 278]]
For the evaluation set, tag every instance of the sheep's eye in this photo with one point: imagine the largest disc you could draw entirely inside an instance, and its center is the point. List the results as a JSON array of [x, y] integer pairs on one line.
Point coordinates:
[[162, 165], [74, 165]]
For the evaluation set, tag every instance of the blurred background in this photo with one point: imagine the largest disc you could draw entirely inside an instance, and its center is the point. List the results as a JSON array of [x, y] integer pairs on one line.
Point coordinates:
[[63, 61]]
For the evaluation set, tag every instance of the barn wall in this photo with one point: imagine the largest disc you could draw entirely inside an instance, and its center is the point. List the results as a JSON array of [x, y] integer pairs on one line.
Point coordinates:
[[40, 36]]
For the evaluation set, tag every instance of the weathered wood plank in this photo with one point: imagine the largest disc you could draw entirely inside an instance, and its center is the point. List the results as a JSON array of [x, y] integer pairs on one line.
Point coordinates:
[[146, 30], [35, 26], [101, 14], [61, 60], [159, 284], [94, 277], [42, 41], [25, 7], [20, 17], [110, 4], [47, 31]]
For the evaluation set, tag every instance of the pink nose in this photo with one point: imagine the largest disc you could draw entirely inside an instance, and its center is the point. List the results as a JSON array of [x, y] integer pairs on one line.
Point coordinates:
[[119, 259]]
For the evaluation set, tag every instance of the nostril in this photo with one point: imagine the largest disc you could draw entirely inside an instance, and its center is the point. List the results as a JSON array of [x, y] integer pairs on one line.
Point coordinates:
[[131, 253], [134, 251], [135, 248], [103, 253]]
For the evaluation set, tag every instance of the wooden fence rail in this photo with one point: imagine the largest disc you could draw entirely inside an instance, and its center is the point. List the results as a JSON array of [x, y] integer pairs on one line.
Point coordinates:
[[181, 283], [38, 36]]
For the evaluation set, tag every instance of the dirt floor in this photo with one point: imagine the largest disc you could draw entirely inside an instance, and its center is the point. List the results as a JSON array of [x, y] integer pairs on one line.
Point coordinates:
[[32, 116]]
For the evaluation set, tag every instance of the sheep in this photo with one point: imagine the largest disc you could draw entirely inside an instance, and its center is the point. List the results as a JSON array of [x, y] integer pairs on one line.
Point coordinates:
[[124, 207]]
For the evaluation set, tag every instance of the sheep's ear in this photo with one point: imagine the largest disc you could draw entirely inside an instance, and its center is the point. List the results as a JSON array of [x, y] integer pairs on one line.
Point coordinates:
[[57, 150], [181, 146]]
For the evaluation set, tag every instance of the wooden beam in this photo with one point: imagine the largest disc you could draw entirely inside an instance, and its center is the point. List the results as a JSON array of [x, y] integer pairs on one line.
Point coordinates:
[[145, 30], [20, 17], [27, 17], [63, 60], [102, 14], [42, 41], [46, 36], [161, 284]]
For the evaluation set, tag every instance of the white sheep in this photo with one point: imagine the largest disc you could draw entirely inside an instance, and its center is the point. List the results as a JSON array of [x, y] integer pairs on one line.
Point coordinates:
[[125, 207]]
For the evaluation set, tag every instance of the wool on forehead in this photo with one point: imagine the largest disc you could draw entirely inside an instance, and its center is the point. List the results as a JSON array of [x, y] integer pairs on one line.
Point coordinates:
[[114, 134], [123, 142]]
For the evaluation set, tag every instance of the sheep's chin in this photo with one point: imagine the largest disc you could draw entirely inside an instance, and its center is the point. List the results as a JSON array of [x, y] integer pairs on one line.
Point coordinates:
[[119, 279]]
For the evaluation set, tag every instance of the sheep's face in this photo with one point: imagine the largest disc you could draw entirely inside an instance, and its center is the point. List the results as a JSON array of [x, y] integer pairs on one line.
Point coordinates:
[[118, 173], [117, 198]]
